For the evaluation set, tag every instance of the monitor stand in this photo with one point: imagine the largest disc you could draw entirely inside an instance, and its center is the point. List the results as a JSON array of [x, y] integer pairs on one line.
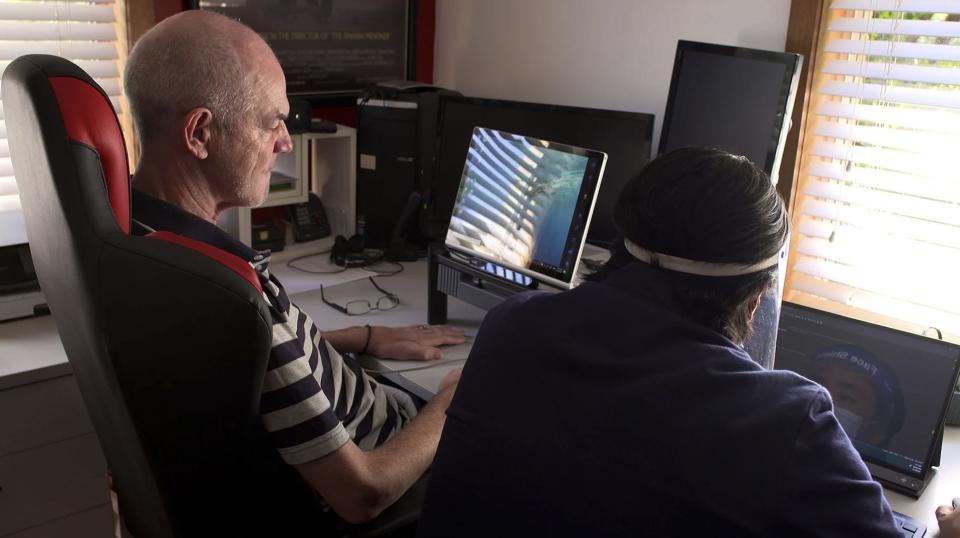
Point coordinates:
[[455, 276], [452, 274]]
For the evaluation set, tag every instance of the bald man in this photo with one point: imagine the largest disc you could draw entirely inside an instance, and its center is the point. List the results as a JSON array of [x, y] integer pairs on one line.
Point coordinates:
[[208, 99]]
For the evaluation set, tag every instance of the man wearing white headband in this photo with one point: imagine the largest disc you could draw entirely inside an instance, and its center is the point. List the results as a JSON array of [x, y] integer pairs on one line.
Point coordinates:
[[628, 407]]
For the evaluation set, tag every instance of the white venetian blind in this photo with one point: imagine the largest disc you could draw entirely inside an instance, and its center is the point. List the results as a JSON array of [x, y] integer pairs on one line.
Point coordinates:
[[877, 218], [91, 33]]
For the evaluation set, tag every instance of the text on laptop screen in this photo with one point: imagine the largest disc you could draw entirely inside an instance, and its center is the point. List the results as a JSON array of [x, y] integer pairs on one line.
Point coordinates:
[[889, 388], [525, 202]]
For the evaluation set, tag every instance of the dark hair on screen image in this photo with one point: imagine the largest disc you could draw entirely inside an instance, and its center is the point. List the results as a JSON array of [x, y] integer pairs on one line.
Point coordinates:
[[707, 205]]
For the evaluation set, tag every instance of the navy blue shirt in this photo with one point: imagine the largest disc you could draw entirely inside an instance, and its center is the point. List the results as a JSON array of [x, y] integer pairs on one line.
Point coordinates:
[[603, 411]]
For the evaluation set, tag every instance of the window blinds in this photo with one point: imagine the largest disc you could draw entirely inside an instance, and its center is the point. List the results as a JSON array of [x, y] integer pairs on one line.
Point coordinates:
[[90, 33], [877, 217]]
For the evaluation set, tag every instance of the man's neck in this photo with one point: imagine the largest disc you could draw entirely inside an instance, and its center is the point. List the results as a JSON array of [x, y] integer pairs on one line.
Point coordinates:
[[182, 186]]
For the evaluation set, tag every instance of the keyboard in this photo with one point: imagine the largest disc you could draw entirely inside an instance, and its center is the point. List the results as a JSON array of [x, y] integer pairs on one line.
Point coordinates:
[[909, 527]]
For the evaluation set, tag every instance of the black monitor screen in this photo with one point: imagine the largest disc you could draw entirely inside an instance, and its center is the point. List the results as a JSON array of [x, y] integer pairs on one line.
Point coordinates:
[[889, 388], [729, 98], [624, 136]]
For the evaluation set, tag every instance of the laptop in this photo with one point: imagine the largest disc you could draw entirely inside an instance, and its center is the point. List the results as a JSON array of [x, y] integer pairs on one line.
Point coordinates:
[[890, 390]]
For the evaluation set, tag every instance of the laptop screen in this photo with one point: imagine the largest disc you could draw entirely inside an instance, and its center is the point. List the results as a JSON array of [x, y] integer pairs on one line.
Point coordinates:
[[525, 203], [890, 389]]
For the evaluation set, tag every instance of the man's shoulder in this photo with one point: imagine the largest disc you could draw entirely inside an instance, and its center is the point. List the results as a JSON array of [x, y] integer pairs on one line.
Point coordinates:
[[790, 387], [512, 306], [785, 391]]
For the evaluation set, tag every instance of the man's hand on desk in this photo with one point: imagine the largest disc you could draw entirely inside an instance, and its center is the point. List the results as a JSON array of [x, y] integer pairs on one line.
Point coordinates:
[[949, 519], [418, 342]]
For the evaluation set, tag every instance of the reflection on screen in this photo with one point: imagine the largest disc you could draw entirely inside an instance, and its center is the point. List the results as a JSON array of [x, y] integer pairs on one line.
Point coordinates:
[[888, 388], [626, 137], [516, 199], [12, 229]]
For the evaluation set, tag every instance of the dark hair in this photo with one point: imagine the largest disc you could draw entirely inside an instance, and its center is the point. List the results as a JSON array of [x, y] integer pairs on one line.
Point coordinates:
[[707, 205]]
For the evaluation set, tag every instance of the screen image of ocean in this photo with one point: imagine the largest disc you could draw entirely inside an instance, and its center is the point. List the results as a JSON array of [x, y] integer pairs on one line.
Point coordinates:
[[517, 199]]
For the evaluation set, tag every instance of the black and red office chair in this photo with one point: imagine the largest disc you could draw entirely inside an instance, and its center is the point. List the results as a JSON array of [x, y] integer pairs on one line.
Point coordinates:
[[168, 337]]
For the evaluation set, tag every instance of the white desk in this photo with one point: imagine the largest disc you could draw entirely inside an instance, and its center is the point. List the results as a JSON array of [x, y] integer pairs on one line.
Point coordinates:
[[410, 286], [51, 468], [30, 351]]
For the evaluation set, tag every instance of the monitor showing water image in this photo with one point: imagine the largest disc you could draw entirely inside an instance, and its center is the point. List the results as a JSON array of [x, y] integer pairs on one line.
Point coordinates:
[[525, 203]]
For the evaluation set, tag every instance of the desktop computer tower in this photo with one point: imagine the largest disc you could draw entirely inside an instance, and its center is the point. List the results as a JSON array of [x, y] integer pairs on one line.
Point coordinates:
[[396, 151]]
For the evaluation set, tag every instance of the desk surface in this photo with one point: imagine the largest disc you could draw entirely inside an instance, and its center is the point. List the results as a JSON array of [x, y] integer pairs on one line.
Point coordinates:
[[419, 378], [30, 351]]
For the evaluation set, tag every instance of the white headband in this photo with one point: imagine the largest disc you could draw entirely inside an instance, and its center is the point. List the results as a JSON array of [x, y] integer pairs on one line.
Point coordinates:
[[693, 267]]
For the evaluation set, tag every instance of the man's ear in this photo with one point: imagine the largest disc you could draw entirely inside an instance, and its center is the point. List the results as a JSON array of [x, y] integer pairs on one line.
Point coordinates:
[[195, 131]]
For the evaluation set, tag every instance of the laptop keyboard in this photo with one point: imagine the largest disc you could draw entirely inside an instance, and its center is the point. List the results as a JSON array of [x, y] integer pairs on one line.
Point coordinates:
[[909, 527]]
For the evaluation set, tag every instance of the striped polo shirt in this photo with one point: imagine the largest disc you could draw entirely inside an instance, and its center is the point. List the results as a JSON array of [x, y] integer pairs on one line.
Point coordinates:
[[313, 398]]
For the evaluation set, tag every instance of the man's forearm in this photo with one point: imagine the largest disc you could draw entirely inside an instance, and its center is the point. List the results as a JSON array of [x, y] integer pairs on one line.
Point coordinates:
[[403, 459], [359, 485], [349, 340]]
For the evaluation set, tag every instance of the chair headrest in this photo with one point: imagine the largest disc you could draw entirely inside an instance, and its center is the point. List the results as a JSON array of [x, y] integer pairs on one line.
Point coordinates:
[[88, 118]]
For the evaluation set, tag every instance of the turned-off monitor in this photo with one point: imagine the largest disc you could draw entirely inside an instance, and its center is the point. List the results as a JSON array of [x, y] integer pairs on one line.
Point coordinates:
[[732, 98]]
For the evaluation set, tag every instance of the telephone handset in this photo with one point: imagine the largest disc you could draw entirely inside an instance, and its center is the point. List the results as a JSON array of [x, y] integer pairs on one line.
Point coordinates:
[[309, 219]]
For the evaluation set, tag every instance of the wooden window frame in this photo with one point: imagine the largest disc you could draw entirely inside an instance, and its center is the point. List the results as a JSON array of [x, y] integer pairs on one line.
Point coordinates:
[[804, 30]]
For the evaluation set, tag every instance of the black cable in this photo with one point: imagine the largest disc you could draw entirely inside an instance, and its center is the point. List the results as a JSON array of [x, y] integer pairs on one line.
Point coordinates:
[[374, 260], [291, 265], [371, 267]]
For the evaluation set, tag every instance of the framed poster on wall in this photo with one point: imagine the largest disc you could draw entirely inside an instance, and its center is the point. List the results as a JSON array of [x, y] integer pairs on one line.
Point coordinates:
[[331, 47]]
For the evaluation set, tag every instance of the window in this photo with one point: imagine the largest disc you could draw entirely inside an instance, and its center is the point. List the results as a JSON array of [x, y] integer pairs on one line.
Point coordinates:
[[90, 33], [877, 214]]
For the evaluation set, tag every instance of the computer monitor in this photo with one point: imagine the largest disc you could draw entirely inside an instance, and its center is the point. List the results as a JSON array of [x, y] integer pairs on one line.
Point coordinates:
[[525, 204], [732, 98], [890, 389], [626, 137]]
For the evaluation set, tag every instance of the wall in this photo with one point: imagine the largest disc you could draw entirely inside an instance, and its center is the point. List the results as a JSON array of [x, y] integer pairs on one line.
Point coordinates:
[[615, 54], [164, 8], [157, 10]]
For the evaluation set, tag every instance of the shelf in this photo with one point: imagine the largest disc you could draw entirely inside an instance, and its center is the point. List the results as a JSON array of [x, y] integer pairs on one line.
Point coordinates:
[[322, 163]]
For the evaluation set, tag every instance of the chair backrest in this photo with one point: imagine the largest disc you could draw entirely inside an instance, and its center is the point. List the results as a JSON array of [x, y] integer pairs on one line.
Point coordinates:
[[168, 337]]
